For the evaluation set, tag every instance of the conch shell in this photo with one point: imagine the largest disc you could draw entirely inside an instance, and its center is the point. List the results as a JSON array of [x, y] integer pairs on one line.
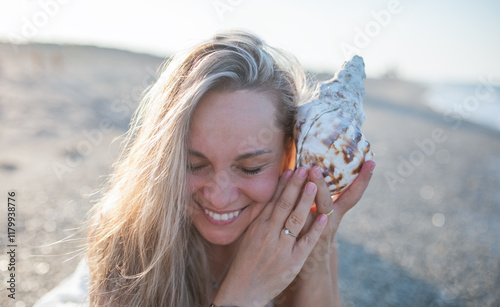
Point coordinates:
[[328, 128]]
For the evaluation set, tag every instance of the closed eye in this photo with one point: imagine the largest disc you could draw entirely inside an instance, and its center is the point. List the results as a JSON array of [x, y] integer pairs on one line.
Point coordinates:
[[254, 171], [194, 169], [246, 171]]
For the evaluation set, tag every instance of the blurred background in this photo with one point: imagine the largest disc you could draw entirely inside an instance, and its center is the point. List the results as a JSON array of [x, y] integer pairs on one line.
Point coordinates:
[[426, 233]]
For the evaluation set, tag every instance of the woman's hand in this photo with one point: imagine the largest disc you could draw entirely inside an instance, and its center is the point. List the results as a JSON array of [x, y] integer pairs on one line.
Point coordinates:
[[268, 259], [316, 284], [343, 203]]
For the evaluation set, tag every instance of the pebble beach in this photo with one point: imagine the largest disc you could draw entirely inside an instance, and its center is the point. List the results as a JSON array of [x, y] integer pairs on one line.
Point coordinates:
[[426, 233]]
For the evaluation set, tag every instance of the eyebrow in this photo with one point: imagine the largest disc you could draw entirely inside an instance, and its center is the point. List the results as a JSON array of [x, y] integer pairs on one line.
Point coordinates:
[[244, 156]]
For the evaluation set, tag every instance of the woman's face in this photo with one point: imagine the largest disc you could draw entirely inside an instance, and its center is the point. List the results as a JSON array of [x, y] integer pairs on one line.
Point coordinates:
[[236, 157]]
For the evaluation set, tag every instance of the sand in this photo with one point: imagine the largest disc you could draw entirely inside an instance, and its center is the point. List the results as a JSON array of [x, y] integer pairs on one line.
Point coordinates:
[[426, 233]]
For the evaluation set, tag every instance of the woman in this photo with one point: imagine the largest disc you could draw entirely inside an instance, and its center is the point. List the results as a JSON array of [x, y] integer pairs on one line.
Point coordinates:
[[202, 207]]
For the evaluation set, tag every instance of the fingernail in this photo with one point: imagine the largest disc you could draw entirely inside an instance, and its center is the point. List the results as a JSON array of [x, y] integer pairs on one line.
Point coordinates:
[[322, 219], [310, 187], [301, 172], [317, 172], [287, 174], [372, 167]]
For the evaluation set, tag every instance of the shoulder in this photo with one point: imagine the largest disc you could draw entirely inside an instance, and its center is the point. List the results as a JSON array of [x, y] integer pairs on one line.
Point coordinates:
[[71, 292]]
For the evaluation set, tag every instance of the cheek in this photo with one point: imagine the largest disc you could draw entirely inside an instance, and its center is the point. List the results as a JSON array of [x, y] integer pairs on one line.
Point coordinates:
[[262, 189], [194, 183]]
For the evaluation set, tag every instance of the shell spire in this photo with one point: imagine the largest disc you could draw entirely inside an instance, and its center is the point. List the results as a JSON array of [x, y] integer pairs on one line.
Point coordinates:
[[328, 128]]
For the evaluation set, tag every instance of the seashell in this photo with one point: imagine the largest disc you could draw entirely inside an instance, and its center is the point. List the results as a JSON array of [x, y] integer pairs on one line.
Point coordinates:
[[328, 128]]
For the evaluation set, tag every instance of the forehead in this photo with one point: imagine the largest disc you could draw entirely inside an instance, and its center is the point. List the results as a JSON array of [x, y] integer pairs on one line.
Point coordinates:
[[230, 120]]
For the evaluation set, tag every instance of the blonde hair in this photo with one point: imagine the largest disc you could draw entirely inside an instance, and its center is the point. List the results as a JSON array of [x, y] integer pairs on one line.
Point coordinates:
[[142, 248]]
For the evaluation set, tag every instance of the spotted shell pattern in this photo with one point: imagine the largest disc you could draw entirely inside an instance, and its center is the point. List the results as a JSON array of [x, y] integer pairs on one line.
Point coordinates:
[[328, 128]]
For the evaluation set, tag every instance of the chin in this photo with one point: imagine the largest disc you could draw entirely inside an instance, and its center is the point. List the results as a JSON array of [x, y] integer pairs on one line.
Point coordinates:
[[220, 239], [220, 234]]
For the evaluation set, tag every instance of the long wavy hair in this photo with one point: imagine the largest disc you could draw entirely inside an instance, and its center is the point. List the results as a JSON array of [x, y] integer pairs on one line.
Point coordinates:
[[143, 249]]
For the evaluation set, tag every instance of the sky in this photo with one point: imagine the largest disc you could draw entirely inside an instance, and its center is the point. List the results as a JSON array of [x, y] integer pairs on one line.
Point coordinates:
[[426, 41]]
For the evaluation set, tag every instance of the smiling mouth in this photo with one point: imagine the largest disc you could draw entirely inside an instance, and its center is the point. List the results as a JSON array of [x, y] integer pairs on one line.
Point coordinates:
[[223, 218]]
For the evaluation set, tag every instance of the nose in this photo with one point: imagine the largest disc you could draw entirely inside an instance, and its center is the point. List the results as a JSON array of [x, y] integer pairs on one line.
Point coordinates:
[[221, 191]]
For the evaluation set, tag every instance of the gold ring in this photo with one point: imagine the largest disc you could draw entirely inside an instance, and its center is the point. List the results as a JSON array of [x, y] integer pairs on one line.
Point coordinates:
[[328, 214]]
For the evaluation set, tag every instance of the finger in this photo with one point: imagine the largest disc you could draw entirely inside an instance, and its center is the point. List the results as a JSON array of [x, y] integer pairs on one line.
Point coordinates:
[[353, 194], [286, 202], [268, 209], [304, 246], [298, 217], [323, 200]]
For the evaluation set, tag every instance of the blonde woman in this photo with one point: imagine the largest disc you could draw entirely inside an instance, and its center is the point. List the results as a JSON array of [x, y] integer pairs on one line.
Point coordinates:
[[202, 207]]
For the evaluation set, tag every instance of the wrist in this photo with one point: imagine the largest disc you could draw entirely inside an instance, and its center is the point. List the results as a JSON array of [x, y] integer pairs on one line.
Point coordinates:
[[226, 299], [223, 297], [324, 250]]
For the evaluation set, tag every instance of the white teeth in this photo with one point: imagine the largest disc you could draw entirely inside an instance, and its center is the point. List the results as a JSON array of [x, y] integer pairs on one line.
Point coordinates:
[[209, 213], [222, 217]]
